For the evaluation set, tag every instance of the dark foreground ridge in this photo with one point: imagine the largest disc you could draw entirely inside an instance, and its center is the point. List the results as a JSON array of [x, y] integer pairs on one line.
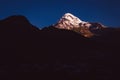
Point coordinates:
[[29, 53]]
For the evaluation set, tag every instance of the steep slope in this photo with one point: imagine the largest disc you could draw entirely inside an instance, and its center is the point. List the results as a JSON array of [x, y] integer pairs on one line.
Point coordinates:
[[71, 22], [17, 23], [14, 30], [55, 53]]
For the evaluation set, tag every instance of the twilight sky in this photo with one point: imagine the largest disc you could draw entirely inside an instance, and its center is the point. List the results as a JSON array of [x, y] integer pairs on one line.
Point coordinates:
[[43, 13]]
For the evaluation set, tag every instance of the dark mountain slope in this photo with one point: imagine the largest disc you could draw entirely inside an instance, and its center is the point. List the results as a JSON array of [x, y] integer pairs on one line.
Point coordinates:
[[17, 23], [15, 29], [29, 53]]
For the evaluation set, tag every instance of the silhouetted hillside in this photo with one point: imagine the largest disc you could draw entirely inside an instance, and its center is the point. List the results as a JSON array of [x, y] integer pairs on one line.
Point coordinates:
[[17, 24], [29, 53]]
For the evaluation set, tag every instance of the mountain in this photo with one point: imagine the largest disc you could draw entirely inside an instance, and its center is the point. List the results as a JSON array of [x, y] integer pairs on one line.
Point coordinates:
[[17, 23], [71, 22], [58, 52]]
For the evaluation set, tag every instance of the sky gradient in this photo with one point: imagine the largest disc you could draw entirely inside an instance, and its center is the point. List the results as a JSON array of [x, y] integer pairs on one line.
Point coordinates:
[[42, 13]]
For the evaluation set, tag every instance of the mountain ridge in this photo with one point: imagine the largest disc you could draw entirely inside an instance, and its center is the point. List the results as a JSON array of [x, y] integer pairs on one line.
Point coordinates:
[[71, 22], [17, 21], [57, 54]]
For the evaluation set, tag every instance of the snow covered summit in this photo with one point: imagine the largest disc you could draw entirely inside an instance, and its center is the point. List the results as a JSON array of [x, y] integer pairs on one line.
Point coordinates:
[[72, 19], [71, 22]]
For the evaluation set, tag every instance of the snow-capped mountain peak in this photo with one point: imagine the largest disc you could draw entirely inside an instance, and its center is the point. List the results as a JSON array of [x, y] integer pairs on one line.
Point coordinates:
[[72, 19], [69, 21]]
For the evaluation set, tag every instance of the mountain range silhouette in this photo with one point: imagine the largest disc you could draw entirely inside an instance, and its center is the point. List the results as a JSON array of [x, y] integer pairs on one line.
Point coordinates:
[[26, 52]]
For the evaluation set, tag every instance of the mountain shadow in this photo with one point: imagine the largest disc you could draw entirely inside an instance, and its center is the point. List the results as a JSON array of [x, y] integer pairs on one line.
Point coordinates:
[[51, 53]]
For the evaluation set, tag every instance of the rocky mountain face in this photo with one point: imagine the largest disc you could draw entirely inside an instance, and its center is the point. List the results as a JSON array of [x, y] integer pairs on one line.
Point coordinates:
[[58, 52], [71, 22]]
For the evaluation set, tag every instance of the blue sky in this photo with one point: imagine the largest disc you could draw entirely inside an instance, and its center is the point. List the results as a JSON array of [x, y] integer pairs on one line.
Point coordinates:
[[43, 13]]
